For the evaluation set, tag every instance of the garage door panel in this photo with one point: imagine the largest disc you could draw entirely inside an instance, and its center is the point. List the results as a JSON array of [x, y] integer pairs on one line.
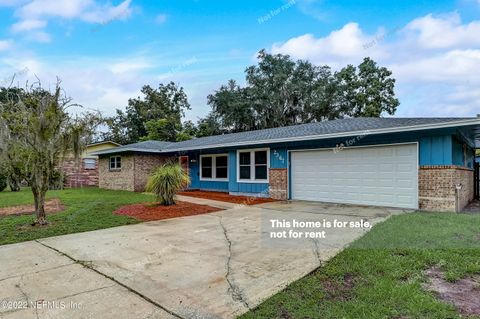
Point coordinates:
[[384, 176]]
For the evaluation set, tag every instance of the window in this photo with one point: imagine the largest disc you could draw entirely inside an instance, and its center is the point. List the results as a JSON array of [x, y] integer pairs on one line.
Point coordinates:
[[89, 163], [253, 165], [115, 163], [214, 167], [245, 165], [221, 167], [207, 164]]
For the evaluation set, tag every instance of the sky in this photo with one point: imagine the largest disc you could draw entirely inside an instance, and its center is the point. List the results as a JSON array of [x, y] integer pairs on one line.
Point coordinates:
[[105, 51]]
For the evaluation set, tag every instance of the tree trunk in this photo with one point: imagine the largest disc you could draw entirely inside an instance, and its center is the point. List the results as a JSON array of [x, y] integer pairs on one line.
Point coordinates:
[[39, 197], [14, 183]]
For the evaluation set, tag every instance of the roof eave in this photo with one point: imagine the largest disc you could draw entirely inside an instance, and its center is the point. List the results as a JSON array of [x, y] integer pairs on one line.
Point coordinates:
[[116, 151], [474, 121]]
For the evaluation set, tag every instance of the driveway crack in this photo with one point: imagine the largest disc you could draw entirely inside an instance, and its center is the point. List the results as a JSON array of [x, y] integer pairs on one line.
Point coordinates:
[[317, 252], [235, 291], [89, 266], [19, 286]]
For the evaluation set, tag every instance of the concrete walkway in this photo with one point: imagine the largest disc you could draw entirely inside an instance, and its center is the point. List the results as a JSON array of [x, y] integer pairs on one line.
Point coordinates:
[[209, 202], [216, 265]]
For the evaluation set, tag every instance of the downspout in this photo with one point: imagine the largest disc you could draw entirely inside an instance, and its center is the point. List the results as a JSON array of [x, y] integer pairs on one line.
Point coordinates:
[[458, 188]]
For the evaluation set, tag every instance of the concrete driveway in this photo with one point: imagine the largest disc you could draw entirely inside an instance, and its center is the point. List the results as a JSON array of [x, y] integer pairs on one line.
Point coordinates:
[[208, 266]]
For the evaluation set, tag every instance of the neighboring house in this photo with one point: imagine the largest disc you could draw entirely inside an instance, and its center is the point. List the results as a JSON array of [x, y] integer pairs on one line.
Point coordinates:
[[424, 163], [84, 172]]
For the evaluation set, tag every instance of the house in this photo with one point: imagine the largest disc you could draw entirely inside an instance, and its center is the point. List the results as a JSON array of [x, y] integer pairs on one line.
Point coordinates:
[[85, 171], [414, 163]]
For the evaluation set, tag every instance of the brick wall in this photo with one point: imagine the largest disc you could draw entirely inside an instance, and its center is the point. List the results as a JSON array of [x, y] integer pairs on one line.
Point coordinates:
[[77, 176], [144, 166], [117, 179], [437, 187], [134, 172], [278, 178]]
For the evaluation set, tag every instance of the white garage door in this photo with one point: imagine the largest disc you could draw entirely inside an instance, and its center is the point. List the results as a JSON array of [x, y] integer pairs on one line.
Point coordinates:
[[380, 176]]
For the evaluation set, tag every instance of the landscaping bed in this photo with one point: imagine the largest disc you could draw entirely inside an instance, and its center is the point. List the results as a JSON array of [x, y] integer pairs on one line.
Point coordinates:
[[52, 206], [226, 197], [150, 212]]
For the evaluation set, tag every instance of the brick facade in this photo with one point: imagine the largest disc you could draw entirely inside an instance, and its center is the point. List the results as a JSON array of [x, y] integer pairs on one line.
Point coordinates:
[[437, 187], [134, 172], [76, 175], [116, 179], [144, 166], [278, 179]]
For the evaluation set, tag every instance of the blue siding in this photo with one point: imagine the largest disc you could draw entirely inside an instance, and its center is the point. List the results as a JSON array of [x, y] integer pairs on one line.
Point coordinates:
[[436, 150], [458, 155], [461, 157], [278, 157]]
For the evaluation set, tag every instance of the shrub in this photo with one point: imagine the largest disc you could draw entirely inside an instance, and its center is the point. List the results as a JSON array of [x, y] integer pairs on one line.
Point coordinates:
[[3, 181], [166, 181]]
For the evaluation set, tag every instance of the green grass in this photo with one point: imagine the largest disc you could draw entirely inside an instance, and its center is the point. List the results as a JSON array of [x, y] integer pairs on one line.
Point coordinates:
[[381, 274], [86, 209]]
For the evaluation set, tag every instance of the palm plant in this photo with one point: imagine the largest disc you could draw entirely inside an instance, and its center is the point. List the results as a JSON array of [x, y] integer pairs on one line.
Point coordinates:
[[166, 181]]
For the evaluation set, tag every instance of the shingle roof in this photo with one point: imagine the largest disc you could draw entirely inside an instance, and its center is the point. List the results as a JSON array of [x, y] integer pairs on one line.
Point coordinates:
[[310, 130], [335, 128], [146, 147]]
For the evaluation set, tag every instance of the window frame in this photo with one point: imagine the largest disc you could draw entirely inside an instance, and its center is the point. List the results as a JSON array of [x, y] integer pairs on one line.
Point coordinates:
[[94, 160], [116, 168], [252, 166], [214, 168]]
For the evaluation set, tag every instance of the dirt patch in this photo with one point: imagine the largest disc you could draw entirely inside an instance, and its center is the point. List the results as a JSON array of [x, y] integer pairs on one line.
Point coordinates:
[[149, 211], [340, 290], [464, 294], [225, 197], [283, 314], [52, 206]]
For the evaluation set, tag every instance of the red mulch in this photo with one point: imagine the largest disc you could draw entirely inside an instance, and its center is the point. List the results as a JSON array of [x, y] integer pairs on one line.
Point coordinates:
[[52, 206], [225, 197], [149, 211]]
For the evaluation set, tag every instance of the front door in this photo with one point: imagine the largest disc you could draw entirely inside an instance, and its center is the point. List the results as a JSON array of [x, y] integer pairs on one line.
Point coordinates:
[[184, 162]]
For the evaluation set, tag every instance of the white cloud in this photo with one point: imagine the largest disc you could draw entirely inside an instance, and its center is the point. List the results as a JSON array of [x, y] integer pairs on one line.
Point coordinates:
[[444, 32], [106, 13], [338, 47], [35, 14], [435, 59], [27, 25], [11, 3], [5, 45], [129, 66], [51, 8], [162, 18], [39, 36]]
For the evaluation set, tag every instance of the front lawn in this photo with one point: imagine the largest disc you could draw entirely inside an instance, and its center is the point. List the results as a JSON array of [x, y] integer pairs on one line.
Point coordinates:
[[381, 274], [86, 209]]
